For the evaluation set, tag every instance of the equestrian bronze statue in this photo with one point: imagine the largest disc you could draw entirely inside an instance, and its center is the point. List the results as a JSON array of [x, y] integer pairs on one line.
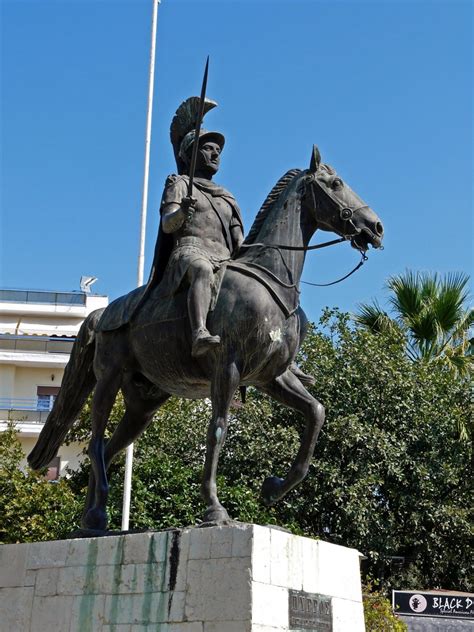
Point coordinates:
[[217, 313]]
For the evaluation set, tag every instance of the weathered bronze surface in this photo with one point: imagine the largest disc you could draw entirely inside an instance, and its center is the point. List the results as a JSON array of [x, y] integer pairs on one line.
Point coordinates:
[[216, 314]]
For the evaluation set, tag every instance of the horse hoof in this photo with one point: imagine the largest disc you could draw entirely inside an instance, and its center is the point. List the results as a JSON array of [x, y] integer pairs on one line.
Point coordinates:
[[272, 490], [95, 519], [216, 516]]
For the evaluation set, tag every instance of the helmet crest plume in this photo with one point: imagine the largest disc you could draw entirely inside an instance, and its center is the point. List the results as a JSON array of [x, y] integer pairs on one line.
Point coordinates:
[[184, 121]]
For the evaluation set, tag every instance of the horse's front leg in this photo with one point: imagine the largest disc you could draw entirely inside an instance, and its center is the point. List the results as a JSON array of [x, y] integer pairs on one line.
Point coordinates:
[[288, 390], [225, 382]]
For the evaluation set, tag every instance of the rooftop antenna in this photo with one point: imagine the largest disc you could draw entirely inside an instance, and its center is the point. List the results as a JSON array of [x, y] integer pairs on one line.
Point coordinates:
[[86, 282]]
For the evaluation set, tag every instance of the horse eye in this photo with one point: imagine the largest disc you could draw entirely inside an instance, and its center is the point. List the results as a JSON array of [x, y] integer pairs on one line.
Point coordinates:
[[337, 183]]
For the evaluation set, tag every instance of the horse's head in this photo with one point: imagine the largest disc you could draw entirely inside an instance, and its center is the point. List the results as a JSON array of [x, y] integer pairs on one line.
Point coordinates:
[[336, 208]]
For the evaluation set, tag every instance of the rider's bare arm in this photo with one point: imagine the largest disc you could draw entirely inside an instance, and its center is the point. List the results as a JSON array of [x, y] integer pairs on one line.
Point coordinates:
[[174, 215], [237, 237]]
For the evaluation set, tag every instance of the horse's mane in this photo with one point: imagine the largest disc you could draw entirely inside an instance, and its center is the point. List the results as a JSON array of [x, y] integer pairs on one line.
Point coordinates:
[[267, 205]]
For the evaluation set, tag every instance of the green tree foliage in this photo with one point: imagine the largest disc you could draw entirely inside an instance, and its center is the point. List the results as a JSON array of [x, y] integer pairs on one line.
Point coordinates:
[[433, 313], [31, 508], [390, 473], [378, 613]]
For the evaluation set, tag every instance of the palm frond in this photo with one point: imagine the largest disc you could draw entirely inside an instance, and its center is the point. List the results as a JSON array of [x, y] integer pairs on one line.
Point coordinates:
[[458, 281], [448, 304], [429, 286], [407, 298], [423, 328], [372, 317]]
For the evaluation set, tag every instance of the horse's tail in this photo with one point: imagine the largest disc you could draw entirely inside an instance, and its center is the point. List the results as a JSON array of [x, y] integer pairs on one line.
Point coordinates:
[[77, 384]]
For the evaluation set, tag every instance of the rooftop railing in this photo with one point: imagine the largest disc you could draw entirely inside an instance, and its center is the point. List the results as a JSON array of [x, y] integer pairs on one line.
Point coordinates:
[[43, 296]]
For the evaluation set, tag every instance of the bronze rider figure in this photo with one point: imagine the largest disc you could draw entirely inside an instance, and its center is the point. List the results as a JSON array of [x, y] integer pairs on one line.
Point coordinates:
[[198, 232]]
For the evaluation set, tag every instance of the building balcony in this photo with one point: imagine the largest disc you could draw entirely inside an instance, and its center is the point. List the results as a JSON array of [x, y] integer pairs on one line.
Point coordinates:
[[43, 297], [34, 359], [49, 304], [40, 351], [25, 404], [27, 414], [24, 410], [37, 344]]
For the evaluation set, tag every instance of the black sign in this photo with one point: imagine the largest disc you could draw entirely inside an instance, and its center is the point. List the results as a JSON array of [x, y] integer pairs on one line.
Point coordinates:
[[452, 605], [310, 612]]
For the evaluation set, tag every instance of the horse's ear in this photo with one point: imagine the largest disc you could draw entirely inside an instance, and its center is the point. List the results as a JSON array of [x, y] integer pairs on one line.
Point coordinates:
[[315, 160]]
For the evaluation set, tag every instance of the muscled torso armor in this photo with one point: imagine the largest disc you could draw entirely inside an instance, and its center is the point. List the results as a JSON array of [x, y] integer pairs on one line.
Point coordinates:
[[212, 231]]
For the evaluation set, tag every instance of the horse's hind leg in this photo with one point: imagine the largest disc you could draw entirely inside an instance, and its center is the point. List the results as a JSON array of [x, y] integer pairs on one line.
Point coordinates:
[[225, 382], [104, 397], [288, 390], [138, 415]]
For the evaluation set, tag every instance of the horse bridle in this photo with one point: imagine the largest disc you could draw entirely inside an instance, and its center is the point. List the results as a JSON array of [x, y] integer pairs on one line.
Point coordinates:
[[345, 214]]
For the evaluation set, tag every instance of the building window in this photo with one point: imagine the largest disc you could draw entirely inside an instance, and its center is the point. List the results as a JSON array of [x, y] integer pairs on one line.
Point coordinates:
[[45, 397]]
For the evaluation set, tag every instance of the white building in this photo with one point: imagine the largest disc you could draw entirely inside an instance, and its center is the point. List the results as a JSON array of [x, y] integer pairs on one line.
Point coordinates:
[[37, 331]]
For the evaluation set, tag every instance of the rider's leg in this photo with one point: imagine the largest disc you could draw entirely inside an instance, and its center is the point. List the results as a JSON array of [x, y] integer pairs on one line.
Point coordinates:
[[200, 277]]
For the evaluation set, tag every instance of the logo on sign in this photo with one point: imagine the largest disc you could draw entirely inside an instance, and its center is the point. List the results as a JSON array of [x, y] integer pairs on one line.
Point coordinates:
[[418, 603]]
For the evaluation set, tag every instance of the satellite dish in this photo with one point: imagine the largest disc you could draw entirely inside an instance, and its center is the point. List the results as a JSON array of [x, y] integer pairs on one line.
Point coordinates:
[[86, 282]]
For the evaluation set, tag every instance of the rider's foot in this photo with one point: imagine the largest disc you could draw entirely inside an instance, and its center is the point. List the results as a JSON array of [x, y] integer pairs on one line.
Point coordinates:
[[304, 378], [203, 342]]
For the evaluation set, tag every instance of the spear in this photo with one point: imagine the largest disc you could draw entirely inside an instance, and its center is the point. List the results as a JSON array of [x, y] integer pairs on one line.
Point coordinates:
[[197, 129]]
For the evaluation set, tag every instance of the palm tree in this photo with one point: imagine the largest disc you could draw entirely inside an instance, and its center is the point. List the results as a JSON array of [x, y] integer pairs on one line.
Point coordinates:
[[433, 314]]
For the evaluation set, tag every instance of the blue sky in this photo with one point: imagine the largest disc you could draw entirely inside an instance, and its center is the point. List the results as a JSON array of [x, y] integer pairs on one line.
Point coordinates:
[[383, 88]]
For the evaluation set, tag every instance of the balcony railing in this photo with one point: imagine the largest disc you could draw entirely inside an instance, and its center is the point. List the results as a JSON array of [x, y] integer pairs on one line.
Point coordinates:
[[36, 344], [19, 417], [42, 296], [25, 403], [27, 410]]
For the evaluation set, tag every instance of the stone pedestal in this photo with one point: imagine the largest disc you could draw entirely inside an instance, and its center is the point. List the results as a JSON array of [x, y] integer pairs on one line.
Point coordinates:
[[218, 579]]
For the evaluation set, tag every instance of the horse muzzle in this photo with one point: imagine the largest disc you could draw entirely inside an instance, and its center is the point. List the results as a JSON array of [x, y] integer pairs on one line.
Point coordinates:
[[369, 232]]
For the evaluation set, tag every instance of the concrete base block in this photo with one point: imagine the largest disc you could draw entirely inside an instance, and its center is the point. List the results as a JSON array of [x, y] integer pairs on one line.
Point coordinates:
[[235, 578]]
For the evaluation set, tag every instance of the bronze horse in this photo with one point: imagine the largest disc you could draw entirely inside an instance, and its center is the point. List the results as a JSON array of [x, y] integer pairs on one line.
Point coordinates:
[[260, 324]]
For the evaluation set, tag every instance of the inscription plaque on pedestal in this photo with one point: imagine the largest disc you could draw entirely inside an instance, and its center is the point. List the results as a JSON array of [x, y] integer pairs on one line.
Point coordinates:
[[308, 611]]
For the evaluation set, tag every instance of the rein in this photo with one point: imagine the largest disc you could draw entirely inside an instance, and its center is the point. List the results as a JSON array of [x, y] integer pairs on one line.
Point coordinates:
[[315, 247], [359, 265], [305, 248], [284, 247]]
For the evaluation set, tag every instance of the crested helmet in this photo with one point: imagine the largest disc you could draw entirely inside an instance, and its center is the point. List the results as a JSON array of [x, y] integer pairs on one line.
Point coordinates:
[[183, 130], [204, 135]]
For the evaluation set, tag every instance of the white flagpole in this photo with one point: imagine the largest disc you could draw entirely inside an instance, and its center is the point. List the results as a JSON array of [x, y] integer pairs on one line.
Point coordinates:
[[127, 487]]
